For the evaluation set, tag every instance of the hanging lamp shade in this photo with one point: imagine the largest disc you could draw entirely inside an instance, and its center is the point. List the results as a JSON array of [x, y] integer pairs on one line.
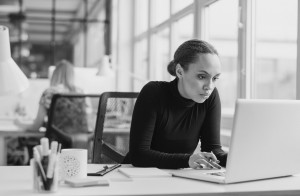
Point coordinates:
[[104, 69], [12, 79]]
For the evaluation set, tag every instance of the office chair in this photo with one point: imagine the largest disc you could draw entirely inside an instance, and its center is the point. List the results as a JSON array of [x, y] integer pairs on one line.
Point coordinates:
[[113, 120], [72, 119]]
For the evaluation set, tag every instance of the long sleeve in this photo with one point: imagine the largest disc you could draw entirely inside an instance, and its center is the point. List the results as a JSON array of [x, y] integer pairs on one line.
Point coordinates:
[[143, 125], [210, 137]]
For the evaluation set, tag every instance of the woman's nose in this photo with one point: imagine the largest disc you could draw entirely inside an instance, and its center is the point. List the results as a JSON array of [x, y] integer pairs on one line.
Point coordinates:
[[209, 85]]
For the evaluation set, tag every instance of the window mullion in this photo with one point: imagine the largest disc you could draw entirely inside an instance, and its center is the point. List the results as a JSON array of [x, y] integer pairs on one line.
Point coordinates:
[[298, 55], [246, 49]]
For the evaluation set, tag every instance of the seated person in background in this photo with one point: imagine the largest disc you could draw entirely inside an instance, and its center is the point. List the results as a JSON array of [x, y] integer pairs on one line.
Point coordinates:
[[62, 81], [170, 118]]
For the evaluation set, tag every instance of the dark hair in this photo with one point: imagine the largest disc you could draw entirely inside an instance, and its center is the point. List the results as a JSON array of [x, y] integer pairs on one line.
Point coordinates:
[[188, 53]]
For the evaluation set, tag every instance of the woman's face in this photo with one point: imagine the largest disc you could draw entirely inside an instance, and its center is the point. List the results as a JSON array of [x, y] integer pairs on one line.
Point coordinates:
[[199, 80]]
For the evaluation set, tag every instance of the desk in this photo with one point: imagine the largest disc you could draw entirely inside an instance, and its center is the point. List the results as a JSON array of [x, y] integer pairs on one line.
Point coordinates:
[[17, 180], [8, 129]]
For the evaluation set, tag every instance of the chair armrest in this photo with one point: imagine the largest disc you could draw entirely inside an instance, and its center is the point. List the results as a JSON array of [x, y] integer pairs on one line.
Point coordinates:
[[111, 153]]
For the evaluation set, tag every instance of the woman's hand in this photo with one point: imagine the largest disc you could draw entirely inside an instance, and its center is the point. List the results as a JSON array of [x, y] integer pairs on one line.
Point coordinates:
[[204, 160]]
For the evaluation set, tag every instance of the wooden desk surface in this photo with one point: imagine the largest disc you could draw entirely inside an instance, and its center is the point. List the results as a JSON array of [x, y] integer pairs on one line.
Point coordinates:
[[17, 180]]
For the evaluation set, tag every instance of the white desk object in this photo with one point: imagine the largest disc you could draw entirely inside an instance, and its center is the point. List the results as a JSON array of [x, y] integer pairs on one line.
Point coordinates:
[[17, 180]]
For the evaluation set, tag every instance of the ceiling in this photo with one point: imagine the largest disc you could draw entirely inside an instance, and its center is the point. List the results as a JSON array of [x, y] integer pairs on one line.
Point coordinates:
[[48, 20]]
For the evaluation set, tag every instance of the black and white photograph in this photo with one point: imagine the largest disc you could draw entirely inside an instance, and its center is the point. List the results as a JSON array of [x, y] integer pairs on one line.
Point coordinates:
[[150, 97]]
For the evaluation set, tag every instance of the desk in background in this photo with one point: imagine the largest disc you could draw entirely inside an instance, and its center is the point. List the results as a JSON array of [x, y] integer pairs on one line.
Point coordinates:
[[8, 129], [17, 180]]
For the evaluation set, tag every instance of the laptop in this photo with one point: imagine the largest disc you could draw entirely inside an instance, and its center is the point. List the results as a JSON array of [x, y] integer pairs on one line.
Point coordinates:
[[264, 143]]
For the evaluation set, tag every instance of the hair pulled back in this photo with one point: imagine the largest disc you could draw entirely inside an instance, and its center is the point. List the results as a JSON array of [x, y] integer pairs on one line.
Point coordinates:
[[188, 53]]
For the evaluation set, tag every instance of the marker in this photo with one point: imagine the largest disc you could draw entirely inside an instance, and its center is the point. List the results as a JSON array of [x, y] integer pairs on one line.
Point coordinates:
[[37, 159], [45, 153], [52, 160]]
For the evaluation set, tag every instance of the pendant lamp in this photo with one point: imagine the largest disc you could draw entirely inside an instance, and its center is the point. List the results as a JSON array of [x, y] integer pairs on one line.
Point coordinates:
[[12, 79], [104, 68]]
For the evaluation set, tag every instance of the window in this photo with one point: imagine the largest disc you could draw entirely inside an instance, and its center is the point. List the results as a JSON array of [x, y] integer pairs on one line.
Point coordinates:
[[276, 49], [183, 30], [140, 65], [141, 19], [95, 50], [160, 11], [177, 5], [161, 55], [222, 34]]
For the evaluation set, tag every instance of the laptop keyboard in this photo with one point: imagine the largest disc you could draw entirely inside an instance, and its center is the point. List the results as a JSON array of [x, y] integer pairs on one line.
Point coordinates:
[[217, 173]]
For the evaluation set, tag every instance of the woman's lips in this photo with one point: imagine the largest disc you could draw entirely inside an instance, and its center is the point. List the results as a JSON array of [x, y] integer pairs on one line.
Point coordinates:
[[205, 96]]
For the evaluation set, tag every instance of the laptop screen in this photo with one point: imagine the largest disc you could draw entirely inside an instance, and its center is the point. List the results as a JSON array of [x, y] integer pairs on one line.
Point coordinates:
[[265, 140]]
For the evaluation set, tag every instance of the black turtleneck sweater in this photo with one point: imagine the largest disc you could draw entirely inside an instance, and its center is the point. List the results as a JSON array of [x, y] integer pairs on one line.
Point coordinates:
[[167, 127]]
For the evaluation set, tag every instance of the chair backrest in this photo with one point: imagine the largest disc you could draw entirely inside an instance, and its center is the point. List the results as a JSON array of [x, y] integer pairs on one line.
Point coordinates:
[[111, 140], [72, 120]]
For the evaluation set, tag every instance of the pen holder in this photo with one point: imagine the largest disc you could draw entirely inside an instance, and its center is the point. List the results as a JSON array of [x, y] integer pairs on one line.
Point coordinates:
[[43, 182]]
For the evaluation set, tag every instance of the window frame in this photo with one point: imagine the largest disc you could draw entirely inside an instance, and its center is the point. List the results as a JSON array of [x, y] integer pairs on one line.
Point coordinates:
[[246, 49], [152, 30]]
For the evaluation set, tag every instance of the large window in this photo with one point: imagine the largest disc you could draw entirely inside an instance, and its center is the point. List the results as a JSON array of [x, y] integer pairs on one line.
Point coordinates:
[[256, 41], [141, 19], [222, 34], [160, 11], [276, 49], [183, 30], [160, 26], [140, 72], [177, 5], [161, 57]]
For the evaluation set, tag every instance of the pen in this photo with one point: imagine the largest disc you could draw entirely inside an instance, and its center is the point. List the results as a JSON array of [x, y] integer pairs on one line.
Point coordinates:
[[105, 170], [216, 165]]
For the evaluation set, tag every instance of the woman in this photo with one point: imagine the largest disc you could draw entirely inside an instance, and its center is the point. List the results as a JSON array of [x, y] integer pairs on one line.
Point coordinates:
[[62, 81], [170, 118]]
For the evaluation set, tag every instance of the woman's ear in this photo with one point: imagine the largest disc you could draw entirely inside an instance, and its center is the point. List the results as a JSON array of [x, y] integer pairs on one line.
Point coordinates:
[[179, 71]]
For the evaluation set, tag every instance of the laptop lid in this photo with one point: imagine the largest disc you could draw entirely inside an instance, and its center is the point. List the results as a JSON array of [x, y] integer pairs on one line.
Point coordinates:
[[265, 140]]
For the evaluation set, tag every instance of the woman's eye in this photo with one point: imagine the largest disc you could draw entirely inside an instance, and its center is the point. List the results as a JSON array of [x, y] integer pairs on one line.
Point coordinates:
[[201, 76], [214, 79]]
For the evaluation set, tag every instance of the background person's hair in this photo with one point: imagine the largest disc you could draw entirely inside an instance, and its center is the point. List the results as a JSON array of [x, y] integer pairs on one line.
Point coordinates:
[[188, 52], [63, 74]]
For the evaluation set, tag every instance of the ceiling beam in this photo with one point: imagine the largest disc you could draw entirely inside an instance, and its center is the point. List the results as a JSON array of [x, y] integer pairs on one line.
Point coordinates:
[[59, 20], [40, 31], [48, 12]]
